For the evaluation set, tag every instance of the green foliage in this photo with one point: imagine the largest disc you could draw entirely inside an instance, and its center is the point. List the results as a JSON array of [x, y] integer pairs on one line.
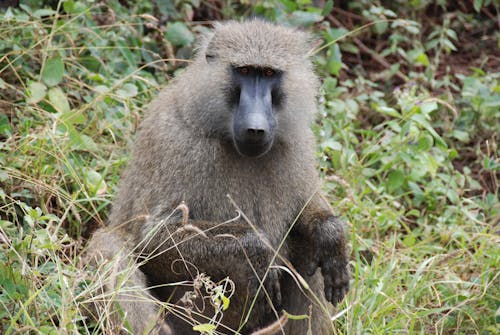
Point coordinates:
[[179, 34], [77, 103], [408, 145], [37, 275]]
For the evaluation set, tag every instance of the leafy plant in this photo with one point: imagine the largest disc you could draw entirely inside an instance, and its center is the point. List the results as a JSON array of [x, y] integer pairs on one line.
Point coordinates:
[[408, 146]]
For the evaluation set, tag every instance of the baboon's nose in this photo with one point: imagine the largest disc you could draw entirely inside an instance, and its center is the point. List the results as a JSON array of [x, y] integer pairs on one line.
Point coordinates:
[[256, 134], [255, 127]]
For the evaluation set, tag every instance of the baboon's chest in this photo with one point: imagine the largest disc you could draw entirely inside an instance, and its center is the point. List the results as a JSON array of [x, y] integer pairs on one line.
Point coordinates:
[[265, 199], [270, 190]]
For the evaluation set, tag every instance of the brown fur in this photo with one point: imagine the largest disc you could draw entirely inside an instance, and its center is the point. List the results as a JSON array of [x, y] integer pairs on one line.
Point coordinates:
[[184, 153]]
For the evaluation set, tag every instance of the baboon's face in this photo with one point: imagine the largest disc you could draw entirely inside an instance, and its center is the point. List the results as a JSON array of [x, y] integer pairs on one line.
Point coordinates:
[[256, 97]]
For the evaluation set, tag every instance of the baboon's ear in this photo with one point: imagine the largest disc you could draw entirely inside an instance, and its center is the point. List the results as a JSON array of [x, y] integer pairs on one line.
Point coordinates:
[[210, 41], [210, 58], [210, 50]]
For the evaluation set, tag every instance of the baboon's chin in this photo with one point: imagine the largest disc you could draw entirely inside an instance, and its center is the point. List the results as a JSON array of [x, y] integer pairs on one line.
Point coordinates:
[[253, 150]]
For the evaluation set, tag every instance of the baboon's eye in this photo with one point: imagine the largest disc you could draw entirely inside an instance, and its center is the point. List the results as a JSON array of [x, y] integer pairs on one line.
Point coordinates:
[[268, 72], [244, 70]]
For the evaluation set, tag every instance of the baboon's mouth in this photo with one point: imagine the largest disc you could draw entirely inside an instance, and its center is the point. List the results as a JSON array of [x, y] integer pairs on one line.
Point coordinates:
[[253, 149]]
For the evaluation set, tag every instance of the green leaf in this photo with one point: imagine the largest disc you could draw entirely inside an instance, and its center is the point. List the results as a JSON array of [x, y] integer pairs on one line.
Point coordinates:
[[90, 62], [166, 7], [58, 100], [422, 59], [493, 101], [349, 47], [53, 71], [449, 45], [335, 33], [452, 34], [414, 54], [84, 142], [452, 195], [36, 92], [179, 34], [95, 182], [78, 141], [452, 154], [395, 179], [388, 111], [327, 8], [127, 54], [225, 302], [127, 91], [425, 142], [72, 117], [335, 60], [5, 129], [429, 164], [205, 328], [301, 18], [409, 240], [428, 106], [420, 119], [331, 144], [69, 6], [330, 83], [43, 12], [477, 5], [380, 27], [461, 135]]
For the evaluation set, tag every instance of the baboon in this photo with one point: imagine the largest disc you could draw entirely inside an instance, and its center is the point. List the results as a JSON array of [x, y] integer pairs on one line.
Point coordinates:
[[236, 122]]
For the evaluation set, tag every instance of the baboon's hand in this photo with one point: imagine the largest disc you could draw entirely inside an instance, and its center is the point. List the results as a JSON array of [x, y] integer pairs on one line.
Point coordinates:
[[330, 254], [336, 276], [271, 286], [261, 255]]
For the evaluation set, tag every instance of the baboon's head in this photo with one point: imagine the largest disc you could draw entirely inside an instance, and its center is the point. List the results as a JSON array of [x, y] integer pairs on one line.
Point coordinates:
[[264, 74]]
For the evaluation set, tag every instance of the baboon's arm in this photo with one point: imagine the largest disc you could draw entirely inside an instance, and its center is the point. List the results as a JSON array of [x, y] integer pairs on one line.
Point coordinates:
[[320, 235], [184, 248], [182, 244], [119, 280]]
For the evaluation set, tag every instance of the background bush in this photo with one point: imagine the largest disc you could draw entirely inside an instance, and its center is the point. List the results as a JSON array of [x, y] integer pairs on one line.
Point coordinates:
[[408, 132]]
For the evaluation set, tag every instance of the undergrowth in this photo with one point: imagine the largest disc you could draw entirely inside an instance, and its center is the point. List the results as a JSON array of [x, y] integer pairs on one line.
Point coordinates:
[[407, 129]]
